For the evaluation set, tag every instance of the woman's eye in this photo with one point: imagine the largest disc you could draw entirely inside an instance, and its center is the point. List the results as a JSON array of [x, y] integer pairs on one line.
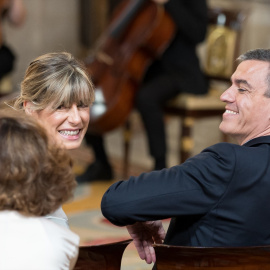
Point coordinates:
[[61, 107], [82, 105]]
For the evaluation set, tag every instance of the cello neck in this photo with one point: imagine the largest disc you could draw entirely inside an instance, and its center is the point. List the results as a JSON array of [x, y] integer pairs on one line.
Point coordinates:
[[122, 23]]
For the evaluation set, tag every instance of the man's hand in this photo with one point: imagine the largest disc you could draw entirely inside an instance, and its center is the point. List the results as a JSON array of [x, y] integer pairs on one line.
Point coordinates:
[[144, 235]]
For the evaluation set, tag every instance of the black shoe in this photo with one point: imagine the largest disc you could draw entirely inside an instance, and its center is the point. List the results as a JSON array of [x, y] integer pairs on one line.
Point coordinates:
[[95, 172]]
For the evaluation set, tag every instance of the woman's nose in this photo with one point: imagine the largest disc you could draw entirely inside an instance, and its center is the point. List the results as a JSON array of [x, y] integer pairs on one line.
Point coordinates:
[[74, 115]]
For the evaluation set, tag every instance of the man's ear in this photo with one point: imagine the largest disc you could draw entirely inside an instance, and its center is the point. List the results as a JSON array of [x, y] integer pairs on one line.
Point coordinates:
[[27, 105]]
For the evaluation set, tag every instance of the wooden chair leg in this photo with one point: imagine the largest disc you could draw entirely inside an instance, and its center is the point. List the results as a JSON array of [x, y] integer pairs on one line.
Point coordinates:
[[127, 136], [187, 143]]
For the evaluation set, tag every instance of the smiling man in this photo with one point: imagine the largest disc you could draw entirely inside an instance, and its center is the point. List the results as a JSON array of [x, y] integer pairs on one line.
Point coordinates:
[[219, 197], [247, 100]]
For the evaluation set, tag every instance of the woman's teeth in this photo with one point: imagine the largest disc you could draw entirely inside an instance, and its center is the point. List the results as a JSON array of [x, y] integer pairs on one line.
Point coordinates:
[[69, 132]]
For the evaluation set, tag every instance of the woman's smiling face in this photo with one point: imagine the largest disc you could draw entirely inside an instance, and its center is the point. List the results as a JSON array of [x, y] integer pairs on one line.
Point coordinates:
[[67, 126]]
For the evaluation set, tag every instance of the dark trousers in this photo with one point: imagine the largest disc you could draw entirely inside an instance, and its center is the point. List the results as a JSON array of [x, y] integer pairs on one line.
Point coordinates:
[[97, 143], [157, 89], [150, 100]]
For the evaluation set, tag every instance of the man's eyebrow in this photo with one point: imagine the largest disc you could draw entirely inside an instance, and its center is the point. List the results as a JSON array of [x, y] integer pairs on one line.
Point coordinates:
[[240, 81]]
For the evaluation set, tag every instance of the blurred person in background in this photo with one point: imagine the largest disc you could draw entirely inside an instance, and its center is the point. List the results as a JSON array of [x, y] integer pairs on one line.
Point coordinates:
[[14, 12], [176, 71]]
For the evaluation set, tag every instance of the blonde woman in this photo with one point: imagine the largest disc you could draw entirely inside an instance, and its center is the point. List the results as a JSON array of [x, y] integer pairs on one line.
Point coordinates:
[[57, 91]]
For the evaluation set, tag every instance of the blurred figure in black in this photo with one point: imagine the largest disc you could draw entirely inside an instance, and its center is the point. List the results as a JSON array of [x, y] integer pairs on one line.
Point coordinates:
[[13, 11], [177, 70]]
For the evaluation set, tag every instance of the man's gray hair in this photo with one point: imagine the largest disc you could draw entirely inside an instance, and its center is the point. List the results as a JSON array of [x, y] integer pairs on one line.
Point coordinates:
[[259, 55]]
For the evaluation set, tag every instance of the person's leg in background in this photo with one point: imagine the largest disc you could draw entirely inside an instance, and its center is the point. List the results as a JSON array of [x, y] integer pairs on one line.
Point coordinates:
[[149, 102], [101, 168]]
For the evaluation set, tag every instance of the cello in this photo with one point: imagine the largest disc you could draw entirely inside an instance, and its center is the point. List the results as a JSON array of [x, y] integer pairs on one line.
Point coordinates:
[[139, 32]]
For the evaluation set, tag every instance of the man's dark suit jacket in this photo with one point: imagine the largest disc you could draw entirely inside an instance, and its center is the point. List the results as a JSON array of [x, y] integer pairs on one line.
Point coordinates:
[[220, 197]]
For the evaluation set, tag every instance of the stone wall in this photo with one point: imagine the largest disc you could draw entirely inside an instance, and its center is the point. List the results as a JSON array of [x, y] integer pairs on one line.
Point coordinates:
[[54, 25], [51, 25]]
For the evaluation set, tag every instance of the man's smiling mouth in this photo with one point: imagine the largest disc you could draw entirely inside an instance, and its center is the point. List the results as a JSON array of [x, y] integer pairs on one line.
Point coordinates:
[[231, 112]]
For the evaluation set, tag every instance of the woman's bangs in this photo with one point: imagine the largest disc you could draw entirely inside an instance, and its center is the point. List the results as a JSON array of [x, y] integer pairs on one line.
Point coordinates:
[[76, 93], [81, 93]]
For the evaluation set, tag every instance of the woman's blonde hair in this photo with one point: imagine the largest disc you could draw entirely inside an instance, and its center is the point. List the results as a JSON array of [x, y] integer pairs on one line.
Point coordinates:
[[55, 79], [36, 177]]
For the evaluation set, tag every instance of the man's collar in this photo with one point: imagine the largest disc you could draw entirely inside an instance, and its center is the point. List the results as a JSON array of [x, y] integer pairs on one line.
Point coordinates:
[[259, 140]]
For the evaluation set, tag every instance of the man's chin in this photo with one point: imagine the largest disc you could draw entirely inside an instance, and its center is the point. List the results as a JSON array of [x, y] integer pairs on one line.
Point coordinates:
[[224, 129]]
